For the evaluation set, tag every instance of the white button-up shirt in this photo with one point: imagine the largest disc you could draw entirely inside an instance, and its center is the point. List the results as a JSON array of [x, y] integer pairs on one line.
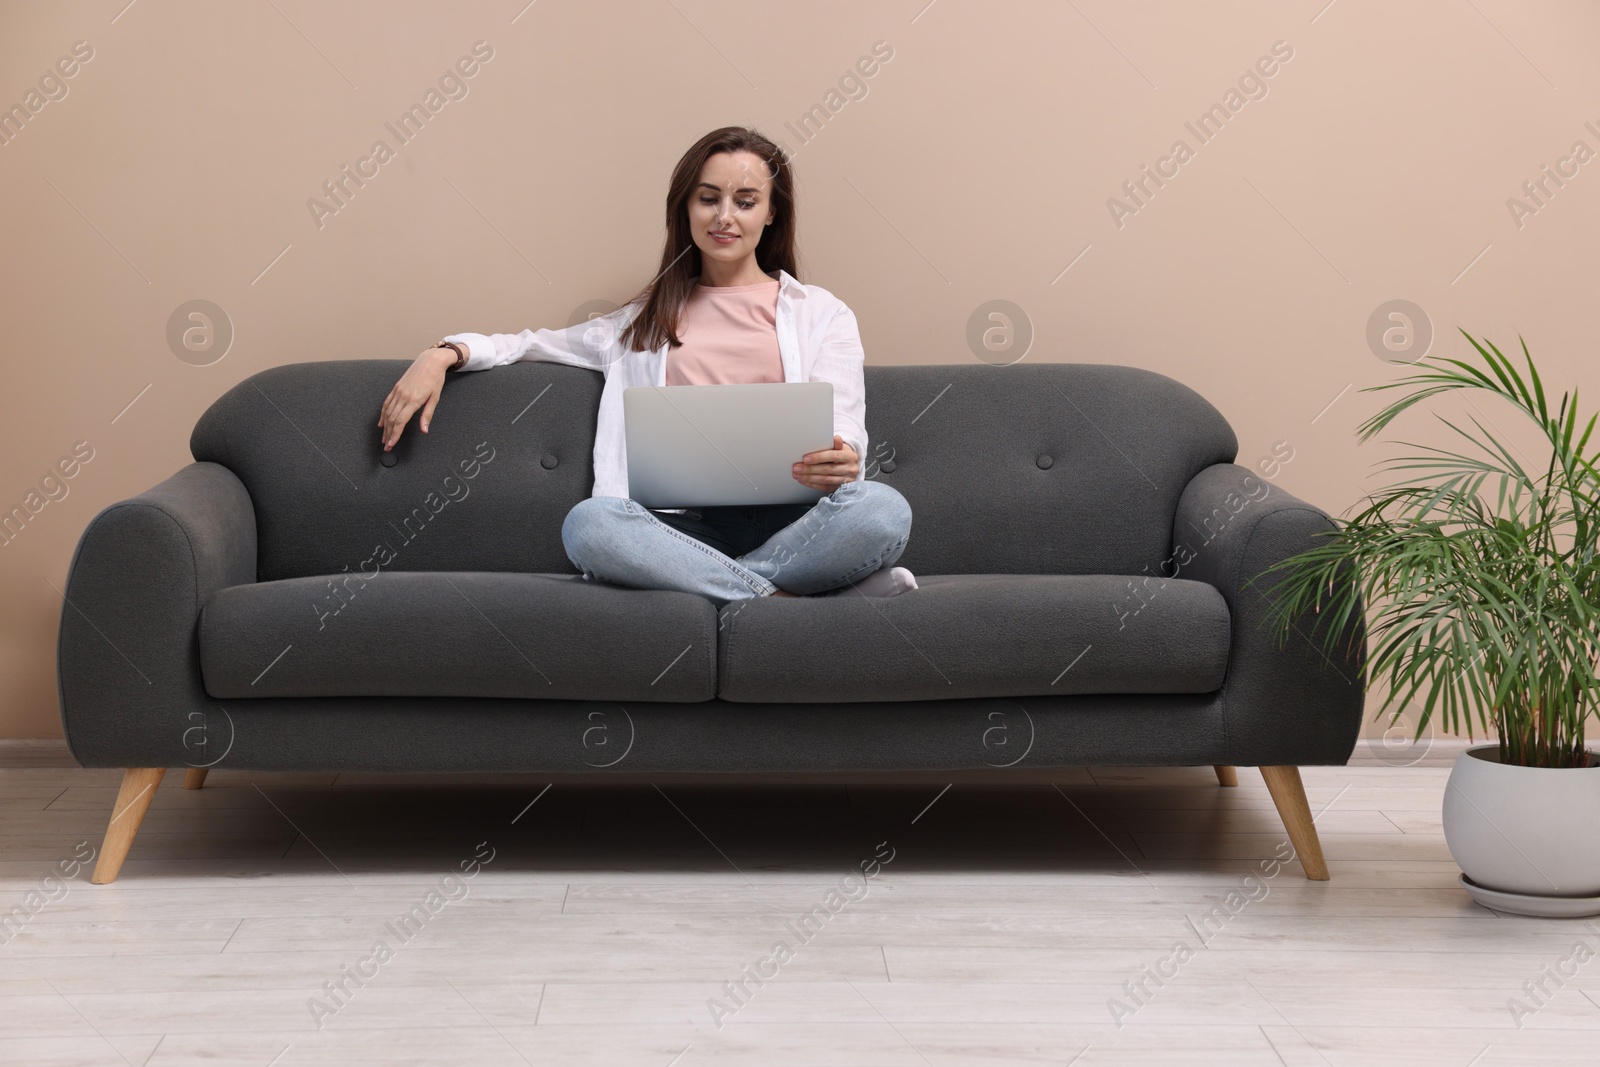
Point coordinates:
[[817, 341]]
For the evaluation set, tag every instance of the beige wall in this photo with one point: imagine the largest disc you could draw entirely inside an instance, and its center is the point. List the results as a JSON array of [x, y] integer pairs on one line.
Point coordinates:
[[978, 165]]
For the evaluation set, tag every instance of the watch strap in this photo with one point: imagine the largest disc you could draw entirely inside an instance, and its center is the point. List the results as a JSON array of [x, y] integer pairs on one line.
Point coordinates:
[[461, 353]]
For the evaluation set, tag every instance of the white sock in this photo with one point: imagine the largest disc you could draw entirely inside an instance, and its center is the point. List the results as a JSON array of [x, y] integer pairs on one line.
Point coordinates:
[[885, 581]]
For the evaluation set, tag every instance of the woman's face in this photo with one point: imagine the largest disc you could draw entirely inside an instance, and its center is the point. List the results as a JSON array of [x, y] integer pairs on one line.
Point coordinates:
[[733, 198]]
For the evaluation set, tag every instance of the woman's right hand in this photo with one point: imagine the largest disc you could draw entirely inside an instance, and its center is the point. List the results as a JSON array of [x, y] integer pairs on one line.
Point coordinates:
[[420, 386]]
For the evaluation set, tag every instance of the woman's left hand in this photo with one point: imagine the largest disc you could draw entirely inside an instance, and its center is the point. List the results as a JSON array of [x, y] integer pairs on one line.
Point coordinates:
[[828, 469]]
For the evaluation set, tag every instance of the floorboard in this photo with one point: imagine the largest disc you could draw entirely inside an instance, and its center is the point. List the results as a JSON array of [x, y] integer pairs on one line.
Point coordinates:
[[1104, 916]]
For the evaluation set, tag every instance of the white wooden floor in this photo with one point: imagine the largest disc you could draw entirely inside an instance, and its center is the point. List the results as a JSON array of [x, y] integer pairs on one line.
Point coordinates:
[[1002, 931]]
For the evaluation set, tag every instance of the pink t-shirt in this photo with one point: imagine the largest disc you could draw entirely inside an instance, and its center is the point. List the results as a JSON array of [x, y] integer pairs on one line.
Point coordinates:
[[730, 336]]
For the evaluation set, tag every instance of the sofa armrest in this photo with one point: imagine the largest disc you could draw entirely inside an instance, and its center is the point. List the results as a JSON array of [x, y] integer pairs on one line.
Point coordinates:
[[128, 654], [1289, 705]]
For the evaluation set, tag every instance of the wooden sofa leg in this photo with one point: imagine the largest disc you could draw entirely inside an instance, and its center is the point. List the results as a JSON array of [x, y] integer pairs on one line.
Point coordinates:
[[133, 800], [194, 777], [1289, 794], [1226, 775]]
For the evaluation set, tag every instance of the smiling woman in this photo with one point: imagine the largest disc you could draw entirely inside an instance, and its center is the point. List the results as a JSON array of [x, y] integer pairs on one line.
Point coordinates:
[[723, 307]]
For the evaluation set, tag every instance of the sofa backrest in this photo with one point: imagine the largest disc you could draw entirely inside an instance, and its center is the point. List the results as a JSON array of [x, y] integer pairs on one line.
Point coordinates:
[[1038, 468], [508, 453], [1042, 468]]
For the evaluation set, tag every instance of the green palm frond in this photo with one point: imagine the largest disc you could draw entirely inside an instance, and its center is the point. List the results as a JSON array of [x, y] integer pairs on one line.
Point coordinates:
[[1477, 577]]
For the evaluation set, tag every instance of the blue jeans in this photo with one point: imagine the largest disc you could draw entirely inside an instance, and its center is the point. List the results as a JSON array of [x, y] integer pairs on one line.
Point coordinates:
[[733, 553]]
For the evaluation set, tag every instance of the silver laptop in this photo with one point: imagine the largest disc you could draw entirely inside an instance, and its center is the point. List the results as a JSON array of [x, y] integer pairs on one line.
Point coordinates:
[[692, 446]]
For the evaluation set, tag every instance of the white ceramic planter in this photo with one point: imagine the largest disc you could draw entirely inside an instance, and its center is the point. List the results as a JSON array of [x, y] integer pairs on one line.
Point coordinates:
[[1524, 830]]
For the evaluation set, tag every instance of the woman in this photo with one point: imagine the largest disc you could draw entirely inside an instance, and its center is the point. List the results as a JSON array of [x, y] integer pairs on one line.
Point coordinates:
[[725, 308]]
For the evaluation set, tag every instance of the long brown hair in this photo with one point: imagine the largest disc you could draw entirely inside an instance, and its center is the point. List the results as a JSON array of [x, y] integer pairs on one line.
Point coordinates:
[[663, 298]]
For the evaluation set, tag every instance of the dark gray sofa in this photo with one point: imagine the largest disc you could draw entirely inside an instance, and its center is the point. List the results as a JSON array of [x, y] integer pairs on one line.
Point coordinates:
[[298, 600]]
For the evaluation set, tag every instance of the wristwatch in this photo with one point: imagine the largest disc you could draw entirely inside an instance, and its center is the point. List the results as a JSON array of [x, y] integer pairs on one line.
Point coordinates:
[[461, 353]]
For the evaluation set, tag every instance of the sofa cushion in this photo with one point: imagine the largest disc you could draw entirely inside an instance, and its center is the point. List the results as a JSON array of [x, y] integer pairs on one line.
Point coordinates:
[[485, 489], [457, 634], [978, 635], [1038, 468]]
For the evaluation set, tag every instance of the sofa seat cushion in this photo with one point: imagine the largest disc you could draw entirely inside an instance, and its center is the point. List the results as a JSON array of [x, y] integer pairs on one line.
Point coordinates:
[[978, 635], [457, 634]]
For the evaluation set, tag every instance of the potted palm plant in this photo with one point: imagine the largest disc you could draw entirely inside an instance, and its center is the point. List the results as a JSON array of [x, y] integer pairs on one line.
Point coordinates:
[[1480, 574]]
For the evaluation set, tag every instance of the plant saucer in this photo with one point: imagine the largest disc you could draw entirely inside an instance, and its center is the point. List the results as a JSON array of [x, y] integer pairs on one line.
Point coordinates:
[[1528, 904]]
